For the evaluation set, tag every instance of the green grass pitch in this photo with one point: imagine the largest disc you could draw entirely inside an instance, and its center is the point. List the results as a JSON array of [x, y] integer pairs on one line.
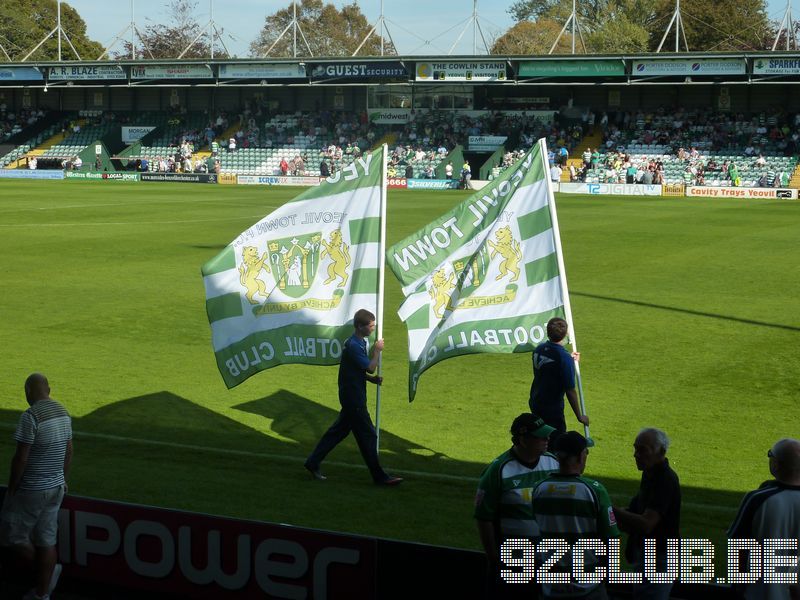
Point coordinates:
[[685, 312]]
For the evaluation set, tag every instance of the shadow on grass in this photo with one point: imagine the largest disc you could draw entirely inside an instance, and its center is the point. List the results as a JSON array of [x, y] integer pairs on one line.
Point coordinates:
[[687, 311], [165, 450]]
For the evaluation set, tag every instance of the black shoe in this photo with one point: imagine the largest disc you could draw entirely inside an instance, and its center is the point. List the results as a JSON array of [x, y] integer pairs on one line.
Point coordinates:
[[315, 472], [390, 481]]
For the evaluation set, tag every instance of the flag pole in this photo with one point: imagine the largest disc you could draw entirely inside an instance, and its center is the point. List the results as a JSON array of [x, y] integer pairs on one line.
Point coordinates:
[[562, 275], [381, 273]]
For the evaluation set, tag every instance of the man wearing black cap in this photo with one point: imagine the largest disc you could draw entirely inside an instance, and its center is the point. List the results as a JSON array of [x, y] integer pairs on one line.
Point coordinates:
[[569, 506], [503, 501]]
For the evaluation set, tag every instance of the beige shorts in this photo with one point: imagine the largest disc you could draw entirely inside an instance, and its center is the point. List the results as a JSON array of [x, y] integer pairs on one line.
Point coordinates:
[[31, 517]]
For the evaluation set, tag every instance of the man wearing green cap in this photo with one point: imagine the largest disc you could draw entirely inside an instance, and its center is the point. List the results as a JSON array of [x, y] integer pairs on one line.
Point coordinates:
[[503, 500]]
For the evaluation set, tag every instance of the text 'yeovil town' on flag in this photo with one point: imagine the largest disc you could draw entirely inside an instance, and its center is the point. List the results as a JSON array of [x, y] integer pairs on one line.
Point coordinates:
[[285, 290], [484, 277]]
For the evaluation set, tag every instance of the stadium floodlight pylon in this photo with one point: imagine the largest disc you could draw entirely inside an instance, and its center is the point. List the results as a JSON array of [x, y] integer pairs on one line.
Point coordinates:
[[576, 27], [295, 26], [787, 27], [475, 21], [211, 29], [680, 30], [59, 32], [3, 50], [134, 32], [383, 24]]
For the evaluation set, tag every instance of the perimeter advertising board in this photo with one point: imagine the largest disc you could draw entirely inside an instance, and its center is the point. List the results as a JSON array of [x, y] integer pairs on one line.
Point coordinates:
[[85, 72], [102, 176], [485, 143], [30, 174], [262, 71], [180, 177], [478, 71], [388, 116], [171, 72], [20, 74], [200, 556], [134, 134], [432, 184], [611, 189], [699, 66], [786, 65], [358, 71], [742, 192], [277, 180], [572, 68]]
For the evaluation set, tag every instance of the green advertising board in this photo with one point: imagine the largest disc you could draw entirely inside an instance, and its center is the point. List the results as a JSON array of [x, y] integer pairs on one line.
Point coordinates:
[[572, 68]]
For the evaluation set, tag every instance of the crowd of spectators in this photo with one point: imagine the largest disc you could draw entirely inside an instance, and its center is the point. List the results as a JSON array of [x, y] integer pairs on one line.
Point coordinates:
[[704, 129], [11, 122]]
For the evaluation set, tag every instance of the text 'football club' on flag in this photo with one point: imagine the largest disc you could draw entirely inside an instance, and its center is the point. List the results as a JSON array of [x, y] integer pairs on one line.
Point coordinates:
[[485, 276], [285, 289]]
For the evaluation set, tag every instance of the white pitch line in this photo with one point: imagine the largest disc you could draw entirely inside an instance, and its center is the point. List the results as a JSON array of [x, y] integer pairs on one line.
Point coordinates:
[[300, 460], [177, 222], [126, 204]]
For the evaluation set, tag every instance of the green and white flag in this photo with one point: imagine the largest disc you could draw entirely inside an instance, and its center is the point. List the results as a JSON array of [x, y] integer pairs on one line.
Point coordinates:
[[486, 276], [286, 289]]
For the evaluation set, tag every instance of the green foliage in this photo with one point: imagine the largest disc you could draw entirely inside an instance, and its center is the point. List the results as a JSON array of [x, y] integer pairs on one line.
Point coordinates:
[[328, 31], [25, 23], [624, 26], [530, 38], [716, 25], [169, 40], [681, 306]]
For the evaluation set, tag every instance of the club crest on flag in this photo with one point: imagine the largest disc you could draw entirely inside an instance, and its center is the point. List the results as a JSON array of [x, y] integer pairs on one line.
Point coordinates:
[[295, 262]]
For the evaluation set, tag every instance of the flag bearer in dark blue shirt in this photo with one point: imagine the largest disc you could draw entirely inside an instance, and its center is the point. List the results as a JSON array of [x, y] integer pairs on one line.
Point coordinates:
[[553, 377], [355, 370]]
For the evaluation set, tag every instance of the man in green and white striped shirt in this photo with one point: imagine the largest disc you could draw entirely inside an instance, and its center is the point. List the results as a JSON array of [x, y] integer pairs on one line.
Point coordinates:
[[503, 502], [568, 506]]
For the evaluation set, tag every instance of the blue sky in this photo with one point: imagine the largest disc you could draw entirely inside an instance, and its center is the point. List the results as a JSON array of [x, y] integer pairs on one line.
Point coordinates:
[[417, 26]]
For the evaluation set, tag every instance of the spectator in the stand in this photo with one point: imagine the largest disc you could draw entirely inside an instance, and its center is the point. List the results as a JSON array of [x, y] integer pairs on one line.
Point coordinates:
[[587, 158], [409, 171], [284, 166], [232, 144], [324, 171]]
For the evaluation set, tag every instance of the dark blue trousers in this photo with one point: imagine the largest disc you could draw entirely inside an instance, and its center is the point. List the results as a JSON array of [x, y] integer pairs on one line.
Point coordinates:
[[356, 419]]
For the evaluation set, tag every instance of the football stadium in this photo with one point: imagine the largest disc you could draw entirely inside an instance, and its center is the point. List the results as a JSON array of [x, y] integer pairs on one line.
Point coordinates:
[[190, 239]]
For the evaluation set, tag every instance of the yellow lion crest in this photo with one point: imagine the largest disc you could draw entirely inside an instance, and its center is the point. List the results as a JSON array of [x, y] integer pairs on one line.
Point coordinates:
[[440, 288], [250, 269], [509, 249], [339, 254]]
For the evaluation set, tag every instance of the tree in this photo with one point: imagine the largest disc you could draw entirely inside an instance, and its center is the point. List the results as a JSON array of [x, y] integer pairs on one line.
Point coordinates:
[[159, 40], [326, 30], [716, 25], [25, 23], [623, 26], [528, 37]]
